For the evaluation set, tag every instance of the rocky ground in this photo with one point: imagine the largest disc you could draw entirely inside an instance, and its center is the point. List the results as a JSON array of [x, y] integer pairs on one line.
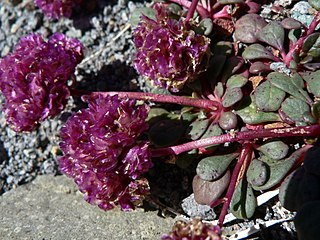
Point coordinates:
[[49, 207]]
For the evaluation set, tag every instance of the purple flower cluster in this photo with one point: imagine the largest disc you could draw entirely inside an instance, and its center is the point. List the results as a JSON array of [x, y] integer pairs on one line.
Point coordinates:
[[33, 78], [168, 52], [57, 8], [193, 230], [102, 152]]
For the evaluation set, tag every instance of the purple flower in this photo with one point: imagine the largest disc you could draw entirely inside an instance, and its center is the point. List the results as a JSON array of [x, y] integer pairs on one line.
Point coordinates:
[[57, 8], [103, 154], [193, 230], [168, 52], [33, 78]]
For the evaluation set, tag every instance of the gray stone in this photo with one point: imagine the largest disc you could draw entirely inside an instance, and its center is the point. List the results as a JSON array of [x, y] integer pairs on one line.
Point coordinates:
[[52, 208]]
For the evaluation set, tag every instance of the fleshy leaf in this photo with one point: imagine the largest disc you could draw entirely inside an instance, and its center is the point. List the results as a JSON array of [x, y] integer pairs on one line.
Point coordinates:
[[278, 169], [197, 128], [295, 109], [248, 26], [205, 192], [257, 51], [156, 113], [236, 81], [228, 120], [274, 149], [315, 4], [268, 97], [232, 65], [138, 12], [251, 115], [212, 130], [205, 26], [291, 23], [166, 132], [231, 96], [218, 90], [272, 34], [258, 67], [292, 85], [310, 41], [257, 173], [313, 82], [211, 168], [243, 202]]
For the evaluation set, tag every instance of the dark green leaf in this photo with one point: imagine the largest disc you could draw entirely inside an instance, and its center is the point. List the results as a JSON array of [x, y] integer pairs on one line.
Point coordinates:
[[272, 34], [257, 173], [206, 26], [218, 90], [295, 109], [268, 98], [236, 81], [257, 51], [231, 96], [251, 115], [136, 14], [197, 128], [274, 149], [211, 168], [243, 202], [316, 110], [232, 65], [315, 4], [291, 23], [310, 41], [278, 169], [313, 81], [223, 48], [205, 192], [228, 120], [293, 35], [248, 26], [292, 85], [311, 160]]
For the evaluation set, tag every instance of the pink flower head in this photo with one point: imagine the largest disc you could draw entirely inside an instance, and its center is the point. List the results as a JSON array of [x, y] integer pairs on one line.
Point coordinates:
[[168, 52], [57, 8], [33, 78], [102, 152]]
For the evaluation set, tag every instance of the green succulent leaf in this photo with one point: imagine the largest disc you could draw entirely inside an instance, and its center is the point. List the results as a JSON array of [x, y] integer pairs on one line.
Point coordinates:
[[316, 110], [291, 23], [291, 85], [315, 4], [313, 83], [228, 120], [212, 130], [138, 12], [294, 35], [268, 98], [197, 128], [212, 168], [207, 191], [236, 81], [155, 113], [257, 51], [278, 169], [166, 132], [247, 27], [310, 41], [307, 220], [274, 149], [272, 34], [257, 173], [231, 96], [311, 160], [205, 26], [219, 90], [258, 67], [295, 109], [250, 114], [243, 202]]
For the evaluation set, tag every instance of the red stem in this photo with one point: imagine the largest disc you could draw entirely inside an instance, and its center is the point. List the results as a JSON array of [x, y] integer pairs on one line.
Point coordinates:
[[163, 98], [299, 43], [237, 137], [187, 4], [245, 155], [192, 9]]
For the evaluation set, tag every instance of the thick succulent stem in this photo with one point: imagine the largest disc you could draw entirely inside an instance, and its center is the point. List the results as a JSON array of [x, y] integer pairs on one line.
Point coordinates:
[[237, 174], [163, 98], [238, 137], [192, 9], [296, 47]]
